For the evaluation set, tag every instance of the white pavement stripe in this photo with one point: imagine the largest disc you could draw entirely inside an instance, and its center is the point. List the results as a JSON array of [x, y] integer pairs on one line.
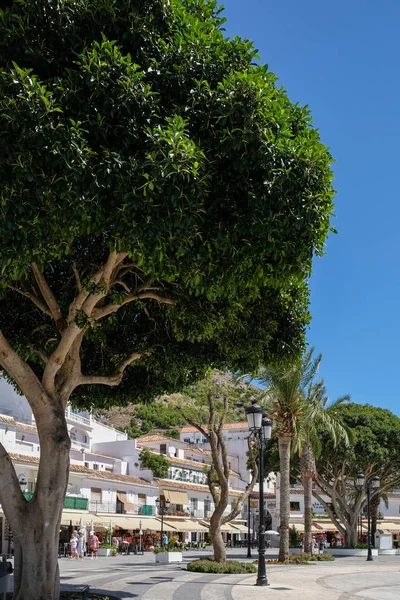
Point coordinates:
[[216, 591], [166, 589], [109, 577]]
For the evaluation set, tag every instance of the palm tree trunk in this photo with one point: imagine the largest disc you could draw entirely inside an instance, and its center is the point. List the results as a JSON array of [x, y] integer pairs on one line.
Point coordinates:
[[284, 508], [307, 471]]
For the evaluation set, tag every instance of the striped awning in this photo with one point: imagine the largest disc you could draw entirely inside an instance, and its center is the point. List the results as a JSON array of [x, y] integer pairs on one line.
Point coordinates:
[[175, 497], [389, 526], [300, 528], [240, 527], [132, 523], [75, 517], [186, 525], [325, 525]]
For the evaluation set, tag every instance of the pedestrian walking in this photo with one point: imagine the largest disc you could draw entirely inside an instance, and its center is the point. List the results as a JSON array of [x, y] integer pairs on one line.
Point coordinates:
[[93, 545], [73, 543], [81, 545]]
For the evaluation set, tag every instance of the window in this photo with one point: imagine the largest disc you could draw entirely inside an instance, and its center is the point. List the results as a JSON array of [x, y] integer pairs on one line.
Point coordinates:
[[163, 448], [207, 507], [95, 494], [86, 439], [72, 435], [95, 466], [87, 465], [295, 506]]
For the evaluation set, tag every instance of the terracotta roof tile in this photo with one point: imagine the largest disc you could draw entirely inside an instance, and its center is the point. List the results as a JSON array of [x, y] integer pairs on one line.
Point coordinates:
[[190, 463], [156, 437], [33, 460], [26, 427], [238, 425], [256, 495], [166, 483], [5, 419]]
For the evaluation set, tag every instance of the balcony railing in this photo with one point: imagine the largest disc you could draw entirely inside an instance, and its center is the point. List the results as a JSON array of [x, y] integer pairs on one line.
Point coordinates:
[[195, 512], [80, 444], [78, 418], [119, 508], [72, 502]]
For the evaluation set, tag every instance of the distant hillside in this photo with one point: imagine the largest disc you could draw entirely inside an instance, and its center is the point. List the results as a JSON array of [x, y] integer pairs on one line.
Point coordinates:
[[160, 416]]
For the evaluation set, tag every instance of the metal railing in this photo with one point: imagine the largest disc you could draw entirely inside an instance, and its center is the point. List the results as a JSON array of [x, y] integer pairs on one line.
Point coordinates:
[[120, 508], [80, 444], [78, 418], [196, 512]]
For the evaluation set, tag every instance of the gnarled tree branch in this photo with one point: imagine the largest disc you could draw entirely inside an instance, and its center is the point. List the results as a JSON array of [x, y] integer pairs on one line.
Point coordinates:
[[11, 497], [47, 294], [104, 311], [36, 301], [22, 374], [110, 380]]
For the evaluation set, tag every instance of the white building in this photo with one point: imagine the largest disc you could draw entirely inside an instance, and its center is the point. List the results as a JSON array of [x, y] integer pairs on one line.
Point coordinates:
[[107, 484], [109, 487]]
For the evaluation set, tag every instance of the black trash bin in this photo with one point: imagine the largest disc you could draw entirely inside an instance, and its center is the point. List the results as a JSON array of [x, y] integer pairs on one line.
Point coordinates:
[[5, 571]]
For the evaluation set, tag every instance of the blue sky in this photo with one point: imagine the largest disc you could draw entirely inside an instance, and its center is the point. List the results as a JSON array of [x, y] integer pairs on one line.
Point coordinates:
[[342, 59]]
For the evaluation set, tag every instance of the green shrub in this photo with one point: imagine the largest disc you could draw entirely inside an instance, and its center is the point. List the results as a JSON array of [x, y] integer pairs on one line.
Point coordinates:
[[299, 557], [230, 567], [294, 538], [171, 543], [322, 557]]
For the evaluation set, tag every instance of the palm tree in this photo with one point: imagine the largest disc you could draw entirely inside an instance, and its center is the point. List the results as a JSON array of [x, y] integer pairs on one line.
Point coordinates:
[[284, 402], [317, 415]]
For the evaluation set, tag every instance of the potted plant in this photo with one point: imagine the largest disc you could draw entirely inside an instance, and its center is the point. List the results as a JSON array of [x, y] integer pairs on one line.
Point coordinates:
[[170, 554], [107, 550]]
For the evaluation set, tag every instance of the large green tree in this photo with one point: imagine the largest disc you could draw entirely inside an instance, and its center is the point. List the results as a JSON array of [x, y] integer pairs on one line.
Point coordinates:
[[207, 406], [161, 201], [373, 450]]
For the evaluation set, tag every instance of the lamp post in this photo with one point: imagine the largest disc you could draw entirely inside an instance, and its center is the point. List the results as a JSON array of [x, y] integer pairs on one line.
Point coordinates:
[[261, 427], [162, 507], [373, 484], [248, 528]]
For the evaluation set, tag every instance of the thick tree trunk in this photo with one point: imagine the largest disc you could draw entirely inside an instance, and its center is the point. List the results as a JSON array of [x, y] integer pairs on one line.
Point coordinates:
[[284, 508], [36, 532], [350, 538], [217, 542]]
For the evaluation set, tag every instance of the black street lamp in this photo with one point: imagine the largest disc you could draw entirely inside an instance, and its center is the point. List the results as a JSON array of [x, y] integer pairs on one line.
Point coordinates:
[[261, 428], [374, 484], [162, 507]]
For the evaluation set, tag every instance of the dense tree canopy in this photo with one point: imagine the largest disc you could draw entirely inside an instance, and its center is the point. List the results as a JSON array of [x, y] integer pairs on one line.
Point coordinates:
[[161, 202], [373, 450], [139, 126]]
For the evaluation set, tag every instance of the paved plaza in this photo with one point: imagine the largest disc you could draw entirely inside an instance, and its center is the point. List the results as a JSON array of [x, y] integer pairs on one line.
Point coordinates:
[[139, 577]]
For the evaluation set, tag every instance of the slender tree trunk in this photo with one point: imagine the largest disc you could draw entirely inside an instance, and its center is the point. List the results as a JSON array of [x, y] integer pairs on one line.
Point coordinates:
[[217, 542], [307, 486], [284, 508], [36, 532], [307, 470]]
